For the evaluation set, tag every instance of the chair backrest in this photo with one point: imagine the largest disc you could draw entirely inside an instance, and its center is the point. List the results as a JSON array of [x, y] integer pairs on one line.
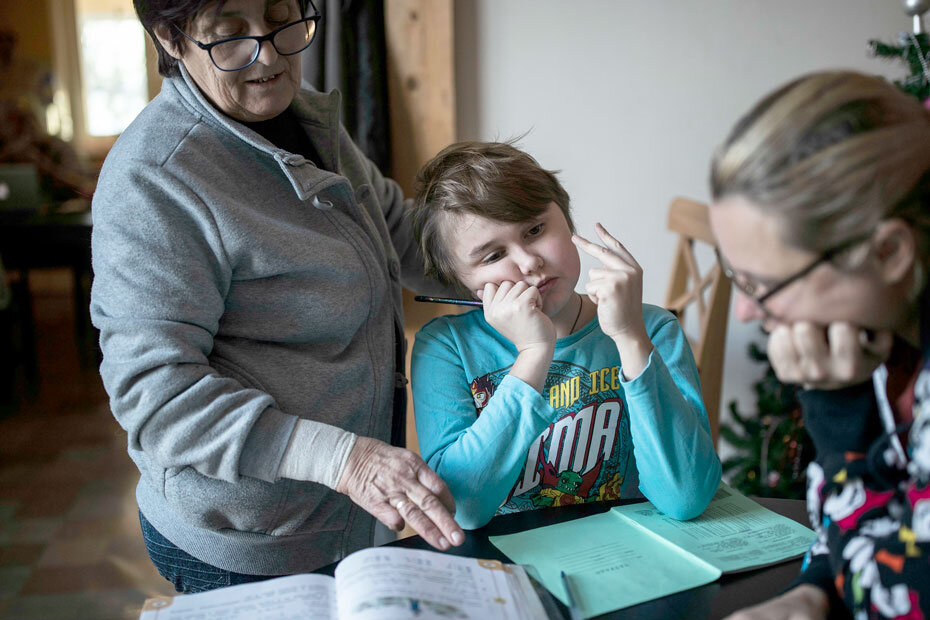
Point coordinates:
[[708, 292]]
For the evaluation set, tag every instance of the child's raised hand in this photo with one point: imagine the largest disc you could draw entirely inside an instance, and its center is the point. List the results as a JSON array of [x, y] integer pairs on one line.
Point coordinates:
[[515, 310], [617, 289]]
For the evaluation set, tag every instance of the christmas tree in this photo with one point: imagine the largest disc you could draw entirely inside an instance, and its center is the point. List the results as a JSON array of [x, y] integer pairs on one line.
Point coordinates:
[[914, 50], [773, 448]]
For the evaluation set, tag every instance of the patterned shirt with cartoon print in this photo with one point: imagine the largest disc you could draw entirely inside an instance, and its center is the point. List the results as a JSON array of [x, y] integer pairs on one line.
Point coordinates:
[[869, 495], [590, 436]]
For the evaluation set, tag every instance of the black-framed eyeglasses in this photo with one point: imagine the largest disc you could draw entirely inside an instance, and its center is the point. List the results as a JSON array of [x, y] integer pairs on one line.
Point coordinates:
[[752, 290], [236, 53]]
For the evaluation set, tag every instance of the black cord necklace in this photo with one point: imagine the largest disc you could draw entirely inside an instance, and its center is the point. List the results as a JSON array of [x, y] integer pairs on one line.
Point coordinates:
[[577, 316]]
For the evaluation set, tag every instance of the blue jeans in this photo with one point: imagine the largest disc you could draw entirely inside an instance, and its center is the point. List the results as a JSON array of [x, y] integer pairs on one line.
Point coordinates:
[[187, 573]]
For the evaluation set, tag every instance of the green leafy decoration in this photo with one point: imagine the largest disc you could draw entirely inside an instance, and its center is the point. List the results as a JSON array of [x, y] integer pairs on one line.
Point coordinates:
[[772, 448], [914, 51]]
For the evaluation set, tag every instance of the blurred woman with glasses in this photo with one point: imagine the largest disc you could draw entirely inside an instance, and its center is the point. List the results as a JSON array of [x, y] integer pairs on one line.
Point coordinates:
[[821, 207], [248, 263]]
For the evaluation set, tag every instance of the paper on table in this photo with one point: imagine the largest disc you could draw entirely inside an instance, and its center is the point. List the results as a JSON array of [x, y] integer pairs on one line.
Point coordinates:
[[733, 534], [378, 583], [634, 553], [612, 563], [395, 583], [294, 597]]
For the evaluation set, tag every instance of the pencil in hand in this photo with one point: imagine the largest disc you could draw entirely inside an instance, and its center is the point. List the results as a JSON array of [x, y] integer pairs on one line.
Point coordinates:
[[449, 300]]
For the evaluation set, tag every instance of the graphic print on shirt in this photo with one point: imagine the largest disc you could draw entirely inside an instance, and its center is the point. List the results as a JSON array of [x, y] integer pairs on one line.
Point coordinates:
[[481, 390], [582, 457], [872, 516]]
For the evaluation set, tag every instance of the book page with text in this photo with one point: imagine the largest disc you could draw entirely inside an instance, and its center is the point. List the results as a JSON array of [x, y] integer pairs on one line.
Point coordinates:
[[734, 533], [296, 597], [395, 583]]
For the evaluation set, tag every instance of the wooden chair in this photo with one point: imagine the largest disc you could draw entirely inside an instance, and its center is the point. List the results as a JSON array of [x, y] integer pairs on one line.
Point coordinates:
[[708, 292]]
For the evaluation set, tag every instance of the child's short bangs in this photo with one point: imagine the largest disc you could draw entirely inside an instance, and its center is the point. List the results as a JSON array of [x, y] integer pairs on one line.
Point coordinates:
[[494, 180]]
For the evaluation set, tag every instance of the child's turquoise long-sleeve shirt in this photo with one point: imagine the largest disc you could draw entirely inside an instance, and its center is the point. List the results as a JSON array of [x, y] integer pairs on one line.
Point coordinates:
[[503, 447]]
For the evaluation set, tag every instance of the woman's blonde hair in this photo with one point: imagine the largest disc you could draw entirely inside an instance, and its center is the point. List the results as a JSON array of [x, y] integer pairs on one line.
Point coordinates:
[[831, 154]]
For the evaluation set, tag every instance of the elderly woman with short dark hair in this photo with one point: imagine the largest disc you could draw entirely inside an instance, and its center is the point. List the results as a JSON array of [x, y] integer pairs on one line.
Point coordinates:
[[248, 264]]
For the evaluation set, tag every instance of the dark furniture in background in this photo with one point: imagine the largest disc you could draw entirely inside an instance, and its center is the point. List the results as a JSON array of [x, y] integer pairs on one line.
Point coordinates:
[[711, 602], [34, 240]]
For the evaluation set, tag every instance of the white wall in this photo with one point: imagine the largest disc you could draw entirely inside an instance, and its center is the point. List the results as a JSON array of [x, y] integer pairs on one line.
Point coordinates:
[[629, 97]]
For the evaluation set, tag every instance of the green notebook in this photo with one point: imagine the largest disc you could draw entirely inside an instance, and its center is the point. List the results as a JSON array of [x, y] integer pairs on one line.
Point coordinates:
[[634, 553]]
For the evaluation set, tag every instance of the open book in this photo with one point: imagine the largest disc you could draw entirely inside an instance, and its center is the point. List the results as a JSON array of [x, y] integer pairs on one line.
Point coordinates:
[[634, 553], [371, 584]]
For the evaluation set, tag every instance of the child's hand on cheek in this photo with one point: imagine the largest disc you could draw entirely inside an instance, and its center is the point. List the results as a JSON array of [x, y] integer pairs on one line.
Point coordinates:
[[617, 289], [515, 310]]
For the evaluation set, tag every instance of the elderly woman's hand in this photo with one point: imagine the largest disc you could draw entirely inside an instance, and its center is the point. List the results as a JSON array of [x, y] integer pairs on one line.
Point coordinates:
[[396, 485], [826, 358]]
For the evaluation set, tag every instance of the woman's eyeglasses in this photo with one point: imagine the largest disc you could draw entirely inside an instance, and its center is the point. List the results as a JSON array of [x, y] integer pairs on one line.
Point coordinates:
[[760, 294], [236, 53]]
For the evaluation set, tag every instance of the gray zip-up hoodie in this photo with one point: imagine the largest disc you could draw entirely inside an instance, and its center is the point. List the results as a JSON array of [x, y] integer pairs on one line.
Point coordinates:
[[237, 289]]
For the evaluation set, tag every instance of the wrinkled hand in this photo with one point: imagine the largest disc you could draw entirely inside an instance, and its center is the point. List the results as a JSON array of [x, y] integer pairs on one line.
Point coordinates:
[[801, 603], [616, 287], [395, 485], [826, 358], [515, 310]]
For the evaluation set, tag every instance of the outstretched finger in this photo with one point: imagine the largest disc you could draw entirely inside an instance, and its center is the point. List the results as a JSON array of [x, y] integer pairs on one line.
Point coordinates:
[[422, 525], [605, 255], [431, 520], [613, 243]]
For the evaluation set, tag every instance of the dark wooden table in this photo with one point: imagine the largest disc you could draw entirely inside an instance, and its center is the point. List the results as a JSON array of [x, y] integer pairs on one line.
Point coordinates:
[[36, 240], [712, 601]]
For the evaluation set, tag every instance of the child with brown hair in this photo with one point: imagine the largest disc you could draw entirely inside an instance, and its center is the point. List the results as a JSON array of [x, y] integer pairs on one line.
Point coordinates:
[[546, 397]]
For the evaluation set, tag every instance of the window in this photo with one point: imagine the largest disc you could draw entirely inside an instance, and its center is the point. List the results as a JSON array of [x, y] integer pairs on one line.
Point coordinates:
[[113, 77], [105, 70]]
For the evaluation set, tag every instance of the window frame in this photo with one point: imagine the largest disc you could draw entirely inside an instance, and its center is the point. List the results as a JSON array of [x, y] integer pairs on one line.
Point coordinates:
[[66, 54]]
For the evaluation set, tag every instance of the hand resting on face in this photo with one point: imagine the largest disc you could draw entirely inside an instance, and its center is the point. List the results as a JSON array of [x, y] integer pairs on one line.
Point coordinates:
[[826, 358]]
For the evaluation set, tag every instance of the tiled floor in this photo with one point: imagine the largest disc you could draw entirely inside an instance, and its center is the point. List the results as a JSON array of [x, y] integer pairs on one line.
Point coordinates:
[[70, 545]]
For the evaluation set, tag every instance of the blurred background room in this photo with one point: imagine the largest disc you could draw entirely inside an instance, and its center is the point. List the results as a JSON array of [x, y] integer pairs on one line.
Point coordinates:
[[627, 99]]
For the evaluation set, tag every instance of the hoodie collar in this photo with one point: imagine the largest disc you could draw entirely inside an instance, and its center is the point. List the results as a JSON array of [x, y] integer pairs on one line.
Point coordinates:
[[317, 112]]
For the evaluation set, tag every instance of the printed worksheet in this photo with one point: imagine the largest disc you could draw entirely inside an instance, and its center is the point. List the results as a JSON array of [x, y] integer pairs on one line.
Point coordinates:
[[734, 533], [634, 553], [611, 562], [391, 583]]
